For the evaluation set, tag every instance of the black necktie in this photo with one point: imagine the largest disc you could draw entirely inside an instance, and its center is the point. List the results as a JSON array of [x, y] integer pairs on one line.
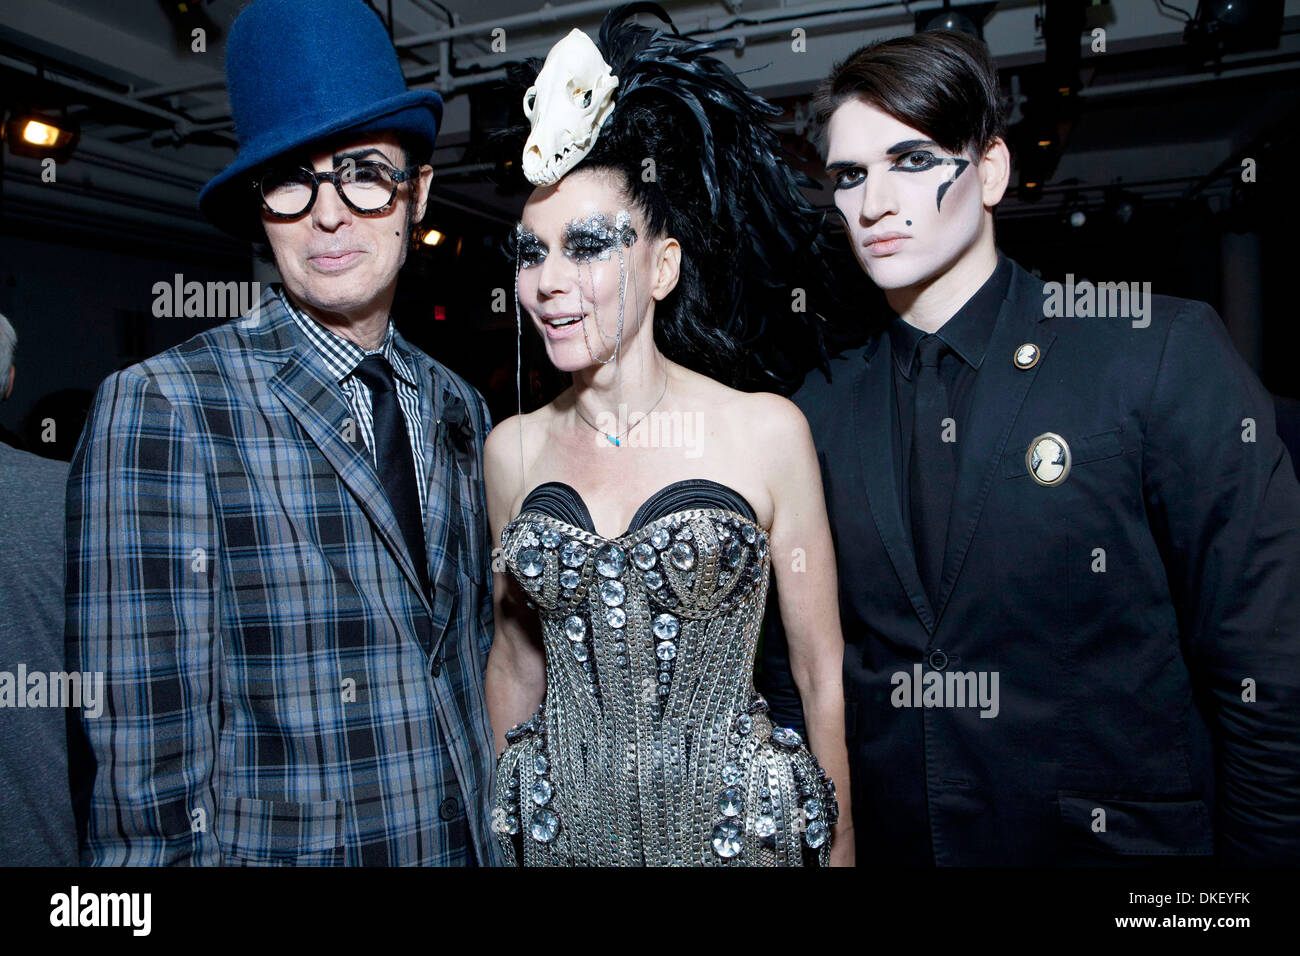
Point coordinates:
[[932, 466], [393, 458]]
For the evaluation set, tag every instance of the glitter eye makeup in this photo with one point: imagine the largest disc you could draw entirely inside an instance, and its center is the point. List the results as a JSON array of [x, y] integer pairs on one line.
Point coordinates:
[[529, 248], [585, 240], [596, 238], [592, 238]]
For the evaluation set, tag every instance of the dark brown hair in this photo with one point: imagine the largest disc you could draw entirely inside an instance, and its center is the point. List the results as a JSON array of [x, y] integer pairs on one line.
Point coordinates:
[[941, 82]]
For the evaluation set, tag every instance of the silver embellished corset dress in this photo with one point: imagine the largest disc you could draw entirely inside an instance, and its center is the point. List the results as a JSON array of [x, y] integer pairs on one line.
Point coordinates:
[[651, 747]]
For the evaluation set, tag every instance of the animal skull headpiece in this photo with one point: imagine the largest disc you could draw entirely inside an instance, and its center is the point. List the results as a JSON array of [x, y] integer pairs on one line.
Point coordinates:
[[572, 98]]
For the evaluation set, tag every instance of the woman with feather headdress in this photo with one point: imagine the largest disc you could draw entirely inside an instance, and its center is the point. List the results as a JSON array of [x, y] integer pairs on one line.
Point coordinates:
[[643, 513]]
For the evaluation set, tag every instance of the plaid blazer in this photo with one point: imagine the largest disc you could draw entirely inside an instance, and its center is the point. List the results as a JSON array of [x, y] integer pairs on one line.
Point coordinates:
[[279, 689]]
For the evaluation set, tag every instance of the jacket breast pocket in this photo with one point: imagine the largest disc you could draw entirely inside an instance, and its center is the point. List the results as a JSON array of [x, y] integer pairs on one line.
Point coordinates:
[[1096, 826], [255, 832], [1090, 448]]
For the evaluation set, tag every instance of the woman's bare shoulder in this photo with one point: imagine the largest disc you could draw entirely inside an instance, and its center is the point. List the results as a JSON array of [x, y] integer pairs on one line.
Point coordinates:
[[759, 416], [505, 436], [513, 444]]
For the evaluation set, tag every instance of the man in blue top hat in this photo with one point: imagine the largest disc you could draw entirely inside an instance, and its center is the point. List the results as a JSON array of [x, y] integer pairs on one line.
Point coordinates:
[[276, 530]]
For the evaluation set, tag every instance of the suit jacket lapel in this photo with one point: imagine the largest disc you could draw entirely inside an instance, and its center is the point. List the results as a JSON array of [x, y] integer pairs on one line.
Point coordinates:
[[314, 400], [442, 525], [873, 431], [999, 391]]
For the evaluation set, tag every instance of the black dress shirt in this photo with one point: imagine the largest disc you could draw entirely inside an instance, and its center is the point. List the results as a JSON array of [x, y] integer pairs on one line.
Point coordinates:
[[967, 336]]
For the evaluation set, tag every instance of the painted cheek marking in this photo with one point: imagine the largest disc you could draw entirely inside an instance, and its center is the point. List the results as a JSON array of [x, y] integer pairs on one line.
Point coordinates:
[[961, 165]]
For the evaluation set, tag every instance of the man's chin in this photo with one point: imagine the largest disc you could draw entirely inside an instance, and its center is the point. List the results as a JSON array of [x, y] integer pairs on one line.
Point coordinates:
[[892, 275], [343, 293]]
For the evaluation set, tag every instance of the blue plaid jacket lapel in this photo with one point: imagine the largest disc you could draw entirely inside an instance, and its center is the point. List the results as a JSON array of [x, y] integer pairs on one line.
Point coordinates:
[[312, 396], [448, 493]]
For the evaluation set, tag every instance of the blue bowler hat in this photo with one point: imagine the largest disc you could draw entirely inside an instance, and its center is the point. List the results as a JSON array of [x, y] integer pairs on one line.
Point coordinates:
[[299, 71]]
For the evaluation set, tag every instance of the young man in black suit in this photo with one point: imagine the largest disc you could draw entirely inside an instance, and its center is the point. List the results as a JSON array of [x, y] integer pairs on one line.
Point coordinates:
[[1068, 540]]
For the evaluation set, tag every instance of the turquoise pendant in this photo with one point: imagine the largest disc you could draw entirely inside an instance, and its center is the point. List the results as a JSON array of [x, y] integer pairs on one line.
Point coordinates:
[[613, 439]]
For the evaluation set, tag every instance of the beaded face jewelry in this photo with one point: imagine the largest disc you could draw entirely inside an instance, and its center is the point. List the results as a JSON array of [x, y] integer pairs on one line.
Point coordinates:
[[594, 238], [585, 240]]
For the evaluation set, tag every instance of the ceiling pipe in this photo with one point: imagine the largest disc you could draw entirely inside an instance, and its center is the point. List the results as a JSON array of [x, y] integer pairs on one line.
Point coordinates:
[[1188, 79], [153, 92], [814, 15], [179, 122], [546, 15], [102, 152]]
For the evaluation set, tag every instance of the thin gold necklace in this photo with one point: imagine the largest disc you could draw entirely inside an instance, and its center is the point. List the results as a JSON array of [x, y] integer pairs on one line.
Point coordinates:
[[616, 439]]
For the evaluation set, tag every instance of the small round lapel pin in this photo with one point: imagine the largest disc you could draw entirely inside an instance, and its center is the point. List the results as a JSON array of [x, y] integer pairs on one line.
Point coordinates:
[[1027, 356], [1048, 459]]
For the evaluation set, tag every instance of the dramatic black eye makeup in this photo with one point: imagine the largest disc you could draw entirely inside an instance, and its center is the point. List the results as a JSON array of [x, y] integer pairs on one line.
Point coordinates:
[[583, 243], [916, 161], [584, 239], [530, 249], [911, 157], [596, 237]]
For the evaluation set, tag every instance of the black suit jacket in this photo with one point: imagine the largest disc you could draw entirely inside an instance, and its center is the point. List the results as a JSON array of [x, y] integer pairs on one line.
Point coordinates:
[[1141, 617]]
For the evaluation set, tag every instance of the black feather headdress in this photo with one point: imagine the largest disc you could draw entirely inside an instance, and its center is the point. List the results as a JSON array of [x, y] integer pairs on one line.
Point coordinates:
[[757, 293]]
